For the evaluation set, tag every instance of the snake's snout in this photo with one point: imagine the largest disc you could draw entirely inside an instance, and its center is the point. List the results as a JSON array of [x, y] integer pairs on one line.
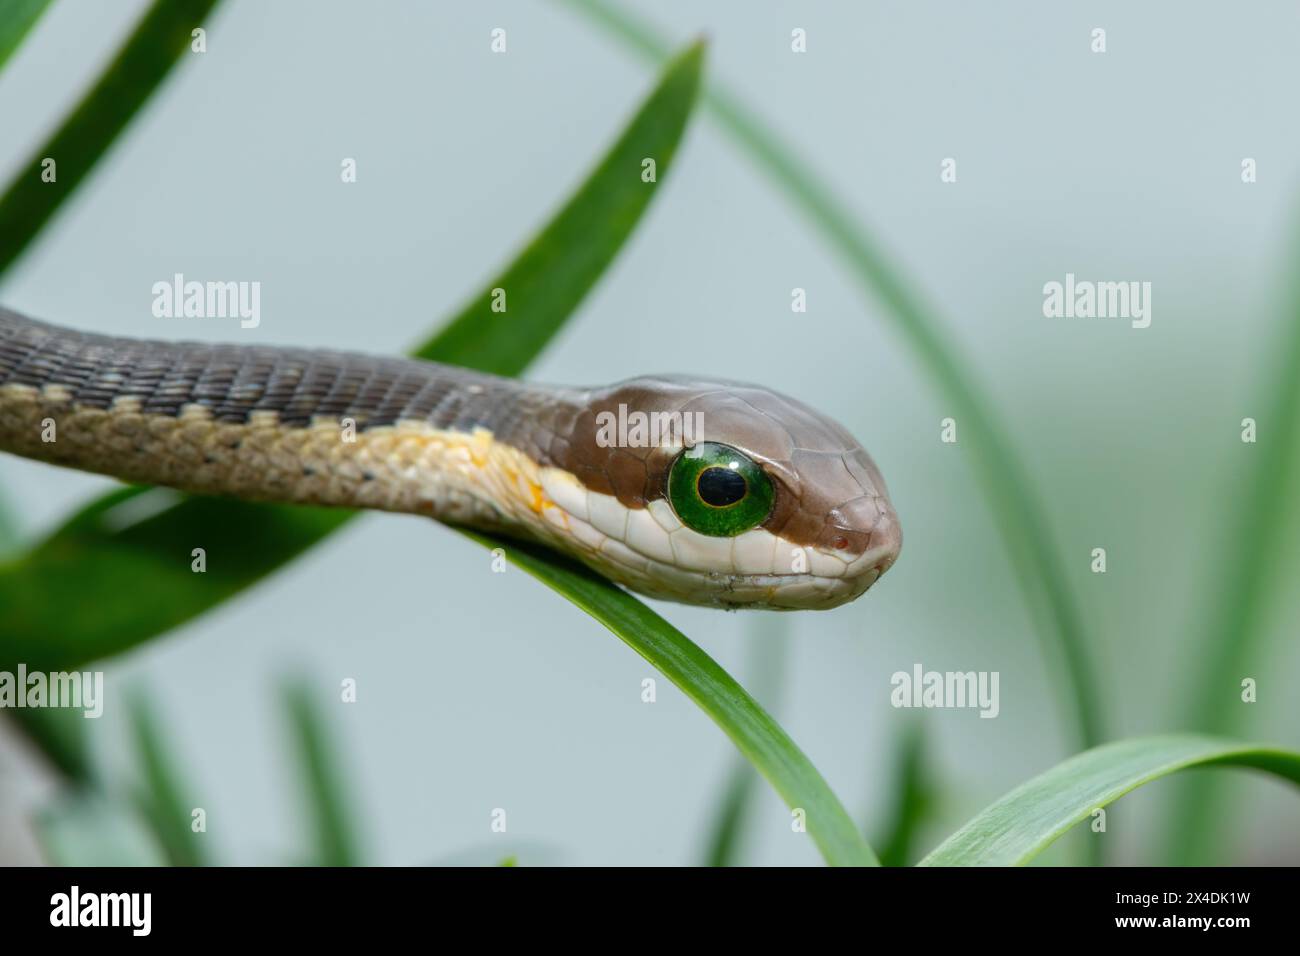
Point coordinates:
[[868, 527], [886, 543]]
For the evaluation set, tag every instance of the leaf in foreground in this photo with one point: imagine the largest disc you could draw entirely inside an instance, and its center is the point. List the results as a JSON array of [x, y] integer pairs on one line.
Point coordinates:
[[766, 643], [1016, 828], [754, 732], [160, 38]]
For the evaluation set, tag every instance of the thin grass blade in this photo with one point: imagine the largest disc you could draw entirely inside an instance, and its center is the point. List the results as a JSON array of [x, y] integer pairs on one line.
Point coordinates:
[[554, 273], [59, 734], [161, 794], [1246, 580], [9, 536], [334, 839], [143, 62], [725, 841], [714, 691], [1012, 831], [88, 829], [915, 797]]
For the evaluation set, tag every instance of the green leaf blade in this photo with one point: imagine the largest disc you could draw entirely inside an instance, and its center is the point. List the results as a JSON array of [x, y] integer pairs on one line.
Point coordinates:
[[760, 738], [59, 733], [334, 840], [161, 795], [551, 277], [84, 828], [915, 796], [10, 538], [1014, 829], [140, 67], [724, 840], [17, 17], [77, 597], [1247, 578]]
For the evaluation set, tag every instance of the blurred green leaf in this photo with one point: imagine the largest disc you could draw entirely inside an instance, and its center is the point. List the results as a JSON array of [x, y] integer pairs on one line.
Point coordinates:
[[751, 729], [722, 846], [126, 84], [59, 733], [1246, 576], [488, 854], [766, 643], [915, 797], [16, 18], [554, 273], [85, 829], [99, 587], [119, 573], [1007, 486], [161, 796], [9, 537], [333, 840], [1016, 828]]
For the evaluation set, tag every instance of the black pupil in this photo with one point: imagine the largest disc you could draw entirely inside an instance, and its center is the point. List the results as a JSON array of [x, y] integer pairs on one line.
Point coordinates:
[[721, 487]]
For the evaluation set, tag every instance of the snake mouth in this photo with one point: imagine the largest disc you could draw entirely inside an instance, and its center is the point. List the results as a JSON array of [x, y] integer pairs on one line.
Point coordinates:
[[650, 551], [811, 591], [784, 591], [730, 590], [791, 592]]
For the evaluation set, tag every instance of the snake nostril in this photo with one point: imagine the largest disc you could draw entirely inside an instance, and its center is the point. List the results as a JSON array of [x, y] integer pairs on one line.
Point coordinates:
[[854, 521]]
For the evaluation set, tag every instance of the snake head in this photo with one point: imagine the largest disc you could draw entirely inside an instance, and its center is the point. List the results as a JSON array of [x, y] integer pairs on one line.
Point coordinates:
[[724, 494]]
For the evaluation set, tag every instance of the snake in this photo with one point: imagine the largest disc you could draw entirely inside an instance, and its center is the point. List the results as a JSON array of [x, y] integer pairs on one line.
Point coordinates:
[[697, 490]]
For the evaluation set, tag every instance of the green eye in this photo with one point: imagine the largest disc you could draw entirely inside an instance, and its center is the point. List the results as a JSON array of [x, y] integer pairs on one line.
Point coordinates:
[[717, 491]]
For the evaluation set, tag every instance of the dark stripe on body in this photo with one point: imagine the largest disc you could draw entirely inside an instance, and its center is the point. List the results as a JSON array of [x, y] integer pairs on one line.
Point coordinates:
[[299, 385]]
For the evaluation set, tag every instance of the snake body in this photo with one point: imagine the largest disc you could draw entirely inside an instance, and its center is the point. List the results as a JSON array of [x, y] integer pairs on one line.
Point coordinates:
[[345, 429]]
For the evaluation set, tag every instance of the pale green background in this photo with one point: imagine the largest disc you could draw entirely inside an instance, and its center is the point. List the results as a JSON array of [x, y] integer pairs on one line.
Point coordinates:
[[481, 690]]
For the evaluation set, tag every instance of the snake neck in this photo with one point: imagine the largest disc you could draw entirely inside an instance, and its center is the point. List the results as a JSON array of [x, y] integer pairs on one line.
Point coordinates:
[[281, 424]]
